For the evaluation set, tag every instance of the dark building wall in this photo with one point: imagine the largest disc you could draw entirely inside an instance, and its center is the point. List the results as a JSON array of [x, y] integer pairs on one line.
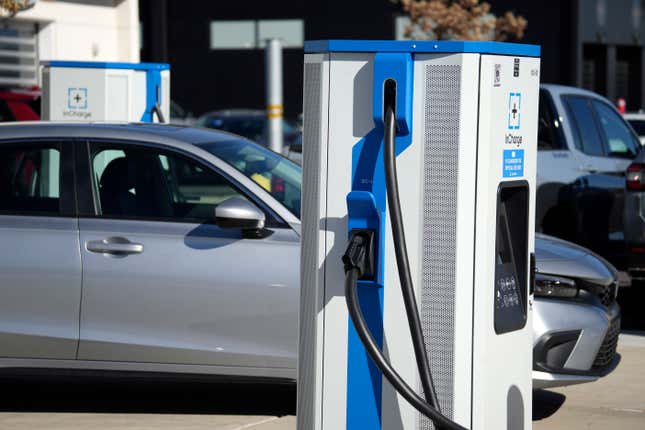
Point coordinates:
[[551, 24], [205, 79]]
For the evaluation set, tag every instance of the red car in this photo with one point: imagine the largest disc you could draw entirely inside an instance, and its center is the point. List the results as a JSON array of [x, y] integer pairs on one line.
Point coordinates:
[[19, 105]]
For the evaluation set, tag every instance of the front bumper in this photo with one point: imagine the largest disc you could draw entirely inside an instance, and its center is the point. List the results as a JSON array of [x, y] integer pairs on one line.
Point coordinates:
[[574, 341]]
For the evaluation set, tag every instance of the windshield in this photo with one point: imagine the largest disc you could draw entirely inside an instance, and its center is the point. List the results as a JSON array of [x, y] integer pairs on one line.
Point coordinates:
[[279, 176]]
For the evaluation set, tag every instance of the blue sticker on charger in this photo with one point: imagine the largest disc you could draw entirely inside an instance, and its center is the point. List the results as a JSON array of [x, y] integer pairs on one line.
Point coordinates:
[[513, 163]]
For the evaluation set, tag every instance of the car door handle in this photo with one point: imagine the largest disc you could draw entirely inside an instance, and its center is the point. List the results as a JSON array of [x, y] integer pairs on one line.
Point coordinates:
[[114, 246]]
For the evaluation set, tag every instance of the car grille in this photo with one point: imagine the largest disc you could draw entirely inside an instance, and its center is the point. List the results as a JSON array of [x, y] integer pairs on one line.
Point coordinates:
[[608, 294], [607, 350]]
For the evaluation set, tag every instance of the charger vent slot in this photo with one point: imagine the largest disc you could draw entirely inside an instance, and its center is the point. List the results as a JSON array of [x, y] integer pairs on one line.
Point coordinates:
[[441, 143]]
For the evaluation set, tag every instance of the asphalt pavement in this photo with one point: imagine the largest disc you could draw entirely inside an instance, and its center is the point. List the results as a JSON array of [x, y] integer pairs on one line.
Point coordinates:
[[72, 402]]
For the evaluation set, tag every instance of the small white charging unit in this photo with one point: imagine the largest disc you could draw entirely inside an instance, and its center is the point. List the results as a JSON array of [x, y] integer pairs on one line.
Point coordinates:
[[99, 91], [466, 133]]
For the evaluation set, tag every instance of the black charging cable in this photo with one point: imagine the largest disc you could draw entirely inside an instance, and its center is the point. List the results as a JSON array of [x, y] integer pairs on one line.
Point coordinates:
[[356, 260]]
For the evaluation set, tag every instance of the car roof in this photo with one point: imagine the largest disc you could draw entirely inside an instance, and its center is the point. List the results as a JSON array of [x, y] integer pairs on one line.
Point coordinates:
[[634, 115], [146, 132], [563, 89]]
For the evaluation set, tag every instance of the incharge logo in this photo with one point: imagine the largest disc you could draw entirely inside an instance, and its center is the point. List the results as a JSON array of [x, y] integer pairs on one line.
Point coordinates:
[[513, 139]]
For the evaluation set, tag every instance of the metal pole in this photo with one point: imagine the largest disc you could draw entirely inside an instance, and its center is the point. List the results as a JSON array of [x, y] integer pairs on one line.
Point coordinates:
[[274, 109]]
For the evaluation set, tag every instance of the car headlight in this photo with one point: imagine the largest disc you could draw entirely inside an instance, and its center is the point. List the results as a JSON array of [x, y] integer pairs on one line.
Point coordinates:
[[554, 286]]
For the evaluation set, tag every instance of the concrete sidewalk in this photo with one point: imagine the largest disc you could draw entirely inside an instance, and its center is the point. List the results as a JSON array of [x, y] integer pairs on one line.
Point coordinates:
[[616, 402]]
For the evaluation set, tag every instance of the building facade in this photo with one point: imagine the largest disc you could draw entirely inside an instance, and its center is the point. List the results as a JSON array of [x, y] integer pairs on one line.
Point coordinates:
[[83, 30], [215, 48]]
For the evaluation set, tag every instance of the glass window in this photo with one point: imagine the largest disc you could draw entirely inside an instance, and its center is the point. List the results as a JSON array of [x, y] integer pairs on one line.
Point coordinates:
[[233, 34], [638, 126], [618, 136], [29, 179], [585, 131], [279, 176], [549, 126], [139, 182], [289, 31]]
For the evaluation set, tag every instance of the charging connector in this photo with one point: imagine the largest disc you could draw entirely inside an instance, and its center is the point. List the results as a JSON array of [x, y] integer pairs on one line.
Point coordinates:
[[360, 253]]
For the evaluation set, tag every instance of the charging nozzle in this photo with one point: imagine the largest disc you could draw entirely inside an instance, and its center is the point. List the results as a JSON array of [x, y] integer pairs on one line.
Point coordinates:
[[360, 253]]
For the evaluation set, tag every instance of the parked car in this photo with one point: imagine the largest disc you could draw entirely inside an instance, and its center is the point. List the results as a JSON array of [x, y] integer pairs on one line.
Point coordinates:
[[251, 124], [576, 319], [178, 115], [162, 248], [19, 105], [635, 217], [637, 121], [584, 148]]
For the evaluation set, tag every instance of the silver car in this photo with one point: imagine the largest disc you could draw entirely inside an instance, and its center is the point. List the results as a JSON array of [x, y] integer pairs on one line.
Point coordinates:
[[576, 319], [170, 249]]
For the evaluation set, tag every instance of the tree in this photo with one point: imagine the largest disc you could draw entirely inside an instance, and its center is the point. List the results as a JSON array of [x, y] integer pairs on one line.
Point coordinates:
[[12, 7], [459, 19]]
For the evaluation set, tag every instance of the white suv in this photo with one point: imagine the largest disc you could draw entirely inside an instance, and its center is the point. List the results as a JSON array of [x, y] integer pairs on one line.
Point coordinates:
[[584, 148]]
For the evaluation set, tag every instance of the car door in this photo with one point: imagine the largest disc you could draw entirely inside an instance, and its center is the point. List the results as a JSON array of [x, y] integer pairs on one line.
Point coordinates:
[[40, 263], [163, 284], [557, 164], [595, 197], [621, 146]]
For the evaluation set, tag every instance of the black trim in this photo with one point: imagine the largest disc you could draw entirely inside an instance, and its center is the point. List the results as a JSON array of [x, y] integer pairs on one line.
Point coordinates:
[[86, 198], [89, 196], [551, 340], [68, 198]]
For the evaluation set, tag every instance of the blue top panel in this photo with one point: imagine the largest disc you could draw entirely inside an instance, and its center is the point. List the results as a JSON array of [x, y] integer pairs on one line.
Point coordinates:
[[107, 65], [422, 46]]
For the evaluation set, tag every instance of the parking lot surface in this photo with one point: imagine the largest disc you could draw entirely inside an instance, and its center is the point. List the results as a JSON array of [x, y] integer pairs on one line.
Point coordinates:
[[72, 402]]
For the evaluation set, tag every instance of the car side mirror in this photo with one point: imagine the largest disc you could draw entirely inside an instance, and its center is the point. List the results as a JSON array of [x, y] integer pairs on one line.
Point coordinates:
[[239, 213]]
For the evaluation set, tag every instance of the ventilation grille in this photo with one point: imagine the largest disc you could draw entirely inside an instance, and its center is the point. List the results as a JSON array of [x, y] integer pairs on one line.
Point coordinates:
[[441, 140], [310, 226]]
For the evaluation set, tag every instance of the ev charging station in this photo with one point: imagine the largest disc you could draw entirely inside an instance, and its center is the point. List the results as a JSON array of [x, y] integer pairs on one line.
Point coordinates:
[[461, 120], [99, 91]]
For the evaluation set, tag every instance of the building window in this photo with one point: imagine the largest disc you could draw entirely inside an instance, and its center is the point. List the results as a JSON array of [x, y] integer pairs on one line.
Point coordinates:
[[250, 34]]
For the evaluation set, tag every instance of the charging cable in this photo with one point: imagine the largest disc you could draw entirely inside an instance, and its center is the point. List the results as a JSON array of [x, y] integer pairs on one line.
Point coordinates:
[[358, 260]]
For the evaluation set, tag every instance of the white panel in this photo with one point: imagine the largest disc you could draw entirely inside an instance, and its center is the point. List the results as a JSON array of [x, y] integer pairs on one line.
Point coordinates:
[[165, 94], [501, 361], [138, 100], [76, 94], [118, 91], [314, 245], [350, 112]]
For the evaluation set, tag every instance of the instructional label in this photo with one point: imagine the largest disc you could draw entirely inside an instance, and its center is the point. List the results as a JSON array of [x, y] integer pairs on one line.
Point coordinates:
[[513, 165]]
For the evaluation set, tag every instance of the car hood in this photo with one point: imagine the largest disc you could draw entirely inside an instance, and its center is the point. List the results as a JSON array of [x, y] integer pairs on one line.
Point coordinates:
[[559, 257]]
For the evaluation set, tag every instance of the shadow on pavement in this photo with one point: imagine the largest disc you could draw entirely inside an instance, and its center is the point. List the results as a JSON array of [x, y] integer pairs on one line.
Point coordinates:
[[130, 395], [546, 403]]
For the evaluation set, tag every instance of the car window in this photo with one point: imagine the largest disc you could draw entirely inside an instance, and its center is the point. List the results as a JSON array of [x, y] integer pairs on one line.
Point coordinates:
[[618, 137], [638, 125], [143, 182], [549, 127], [5, 113], [585, 132], [277, 175], [30, 179]]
